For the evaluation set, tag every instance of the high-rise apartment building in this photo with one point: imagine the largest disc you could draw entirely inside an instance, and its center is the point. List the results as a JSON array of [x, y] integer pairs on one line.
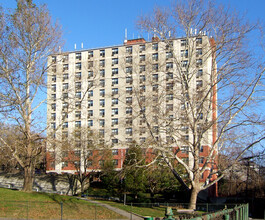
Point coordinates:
[[138, 92]]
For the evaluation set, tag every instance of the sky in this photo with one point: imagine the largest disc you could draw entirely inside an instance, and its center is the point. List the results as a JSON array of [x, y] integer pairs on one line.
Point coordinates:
[[100, 23]]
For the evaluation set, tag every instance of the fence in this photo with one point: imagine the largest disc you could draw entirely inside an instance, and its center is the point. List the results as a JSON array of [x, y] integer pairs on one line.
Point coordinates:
[[54, 210], [203, 210]]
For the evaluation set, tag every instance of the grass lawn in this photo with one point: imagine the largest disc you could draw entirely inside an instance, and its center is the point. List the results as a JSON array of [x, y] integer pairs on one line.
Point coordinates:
[[16, 204], [143, 211]]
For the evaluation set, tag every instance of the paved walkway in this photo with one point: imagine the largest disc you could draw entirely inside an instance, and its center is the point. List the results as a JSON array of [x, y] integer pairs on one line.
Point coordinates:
[[119, 211]]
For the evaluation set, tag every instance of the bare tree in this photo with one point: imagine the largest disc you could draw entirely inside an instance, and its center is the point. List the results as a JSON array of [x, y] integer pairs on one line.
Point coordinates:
[[180, 111], [27, 37]]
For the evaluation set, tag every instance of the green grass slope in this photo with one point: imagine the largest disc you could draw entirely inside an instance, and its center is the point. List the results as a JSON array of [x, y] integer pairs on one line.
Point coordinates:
[[16, 204]]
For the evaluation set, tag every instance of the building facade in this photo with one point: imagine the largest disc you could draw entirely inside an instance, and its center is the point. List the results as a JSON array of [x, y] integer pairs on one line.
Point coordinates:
[[139, 92]]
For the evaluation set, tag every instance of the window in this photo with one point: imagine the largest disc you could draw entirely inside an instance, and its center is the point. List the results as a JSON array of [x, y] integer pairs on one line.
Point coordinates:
[[115, 151], [115, 81], [78, 104], [102, 63], [77, 85], [129, 60], [142, 99], [78, 124], [65, 58], [115, 111], [185, 160], [54, 78], [115, 61], [142, 68], [199, 62], [102, 122], [78, 114], [169, 55], [102, 112], [128, 140], [54, 87], [114, 131], [199, 40], [78, 56], [65, 124], [142, 139], [129, 110], [65, 134], [77, 95], [129, 79], [64, 164], [115, 71], [54, 59], [169, 76], [90, 64], [169, 107], [90, 103], [199, 84], [128, 131], [90, 74], [65, 105], [142, 48], [78, 66], [65, 67], [53, 125], [128, 121], [115, 51], [128, 69], [90, 93], [114, 91], [101, 132], [102, 102], [53, 116], [169, 66], [184, 53], [142, 88], [90, 123], [155, 56], [169, 97], [183, 42], [90, 113], [201, 149], [114, 101], [64, 115], [102, 92], [102, 73], [155, 46], [200, 116], [90, 54], [89, 163], [129, 50], [184, 63], [115, 162], [102, 53], [201, 160], [142, 58], [155, 88], [90, 84], [128, 100], [54, 68], [114, 141], [155, 77], [142, 78], [155, 67], [65, 76], [199, 73], [114, 121], [198, 51], [77, 135]]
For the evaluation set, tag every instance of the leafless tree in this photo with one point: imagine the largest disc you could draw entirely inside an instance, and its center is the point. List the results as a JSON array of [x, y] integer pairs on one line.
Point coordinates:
[[215, 57], [28, 36]]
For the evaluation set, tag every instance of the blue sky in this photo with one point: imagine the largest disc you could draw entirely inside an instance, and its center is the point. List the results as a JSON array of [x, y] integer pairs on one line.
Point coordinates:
[[99, 23]]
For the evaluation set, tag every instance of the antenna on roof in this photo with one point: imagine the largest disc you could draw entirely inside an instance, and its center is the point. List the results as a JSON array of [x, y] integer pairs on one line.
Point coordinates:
[[75, 46], [169, 34], [59, 49], [82, 45], [125, 39]]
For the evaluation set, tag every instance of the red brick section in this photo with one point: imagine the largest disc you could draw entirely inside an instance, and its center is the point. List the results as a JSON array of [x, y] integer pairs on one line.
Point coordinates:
[[135, 41]]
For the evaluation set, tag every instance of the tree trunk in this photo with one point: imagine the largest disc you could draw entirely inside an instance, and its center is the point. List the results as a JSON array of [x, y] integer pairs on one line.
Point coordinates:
[[193, 198], [28, 179]]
